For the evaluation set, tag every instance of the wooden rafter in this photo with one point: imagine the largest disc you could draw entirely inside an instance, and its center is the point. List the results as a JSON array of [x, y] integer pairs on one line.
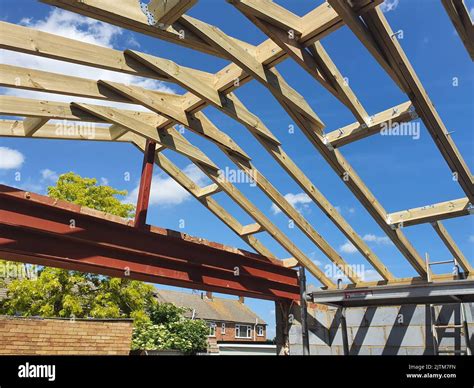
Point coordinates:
[[168, 11], [314, 59], [452, 246], [461, 19]]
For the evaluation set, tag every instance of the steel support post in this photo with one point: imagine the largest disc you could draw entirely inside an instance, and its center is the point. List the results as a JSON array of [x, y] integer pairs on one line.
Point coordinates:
[[145, 184], [304, 311]]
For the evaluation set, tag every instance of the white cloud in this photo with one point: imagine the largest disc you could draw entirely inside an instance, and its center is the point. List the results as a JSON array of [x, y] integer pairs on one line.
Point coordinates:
[[10, 158], [166, 192], [299, 201], [389, 5], [471, 238], [49, 175], [348, 247], [70, 25], [379, 240], [104, 181]]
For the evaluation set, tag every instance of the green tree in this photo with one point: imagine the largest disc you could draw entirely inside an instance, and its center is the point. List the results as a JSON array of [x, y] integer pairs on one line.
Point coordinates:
[[61, 293], [85, 192], [169, 329]]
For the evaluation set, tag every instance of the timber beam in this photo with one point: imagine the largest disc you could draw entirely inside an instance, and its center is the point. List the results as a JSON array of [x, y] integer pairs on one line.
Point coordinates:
[[430, 213], [461, 19]]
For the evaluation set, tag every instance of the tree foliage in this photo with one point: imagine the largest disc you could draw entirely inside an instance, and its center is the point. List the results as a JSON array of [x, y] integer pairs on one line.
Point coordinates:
[[85, 192], [60, 293], [169, 329]]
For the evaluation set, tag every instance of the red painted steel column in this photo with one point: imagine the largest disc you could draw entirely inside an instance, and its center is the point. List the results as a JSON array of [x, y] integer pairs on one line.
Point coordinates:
[[145, 184]]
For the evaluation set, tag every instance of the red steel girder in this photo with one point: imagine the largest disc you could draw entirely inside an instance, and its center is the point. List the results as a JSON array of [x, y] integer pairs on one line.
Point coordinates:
[[41, 230]]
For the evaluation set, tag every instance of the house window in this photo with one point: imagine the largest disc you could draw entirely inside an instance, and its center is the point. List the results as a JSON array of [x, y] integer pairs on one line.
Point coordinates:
[[243, 331], [260, 331], [212, 329], [223, 328]]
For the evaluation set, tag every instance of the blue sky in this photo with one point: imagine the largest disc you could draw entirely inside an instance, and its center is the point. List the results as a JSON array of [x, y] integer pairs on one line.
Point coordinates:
[[401, 171]]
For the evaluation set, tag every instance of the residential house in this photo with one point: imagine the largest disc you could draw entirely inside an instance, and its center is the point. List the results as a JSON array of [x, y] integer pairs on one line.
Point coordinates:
[[229, 320]]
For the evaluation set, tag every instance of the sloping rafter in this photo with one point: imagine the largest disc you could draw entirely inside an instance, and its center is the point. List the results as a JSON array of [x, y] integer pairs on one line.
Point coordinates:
[[452, 246], [461, 19]]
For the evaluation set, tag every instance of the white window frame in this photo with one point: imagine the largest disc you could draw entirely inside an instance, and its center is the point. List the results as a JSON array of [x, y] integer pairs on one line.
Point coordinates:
[[260, 331], [239, 329], [212, 325], [223, 328]]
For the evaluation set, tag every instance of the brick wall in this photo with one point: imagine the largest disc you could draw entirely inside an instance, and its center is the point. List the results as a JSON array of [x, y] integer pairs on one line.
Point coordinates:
[[230, 333], [61, 336]]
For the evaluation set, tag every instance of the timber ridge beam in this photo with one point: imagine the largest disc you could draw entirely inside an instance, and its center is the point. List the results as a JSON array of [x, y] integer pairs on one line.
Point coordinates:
[[290, 37]]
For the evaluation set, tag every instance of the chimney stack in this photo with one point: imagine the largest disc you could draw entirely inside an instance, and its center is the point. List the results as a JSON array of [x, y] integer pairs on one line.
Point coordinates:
[[209, 295], [241, 299]]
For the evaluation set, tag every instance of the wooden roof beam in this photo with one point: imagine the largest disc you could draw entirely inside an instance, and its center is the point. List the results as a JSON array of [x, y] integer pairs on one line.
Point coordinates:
[[459, 15], [272, 13], [315, 61], [268, 77], [453, 248], [33, 124], [430, 213], [166, 12], [399, 114], [128, 14]]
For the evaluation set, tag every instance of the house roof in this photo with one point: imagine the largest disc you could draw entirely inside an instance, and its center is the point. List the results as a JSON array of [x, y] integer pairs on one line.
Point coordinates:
[[215, 309]]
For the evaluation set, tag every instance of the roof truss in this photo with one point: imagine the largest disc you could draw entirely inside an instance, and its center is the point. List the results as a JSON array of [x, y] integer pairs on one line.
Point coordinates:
[[290, 37]]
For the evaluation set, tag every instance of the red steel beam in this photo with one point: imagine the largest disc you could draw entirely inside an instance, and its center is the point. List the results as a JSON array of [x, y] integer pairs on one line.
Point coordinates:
[[45, 231], [145, 184]]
